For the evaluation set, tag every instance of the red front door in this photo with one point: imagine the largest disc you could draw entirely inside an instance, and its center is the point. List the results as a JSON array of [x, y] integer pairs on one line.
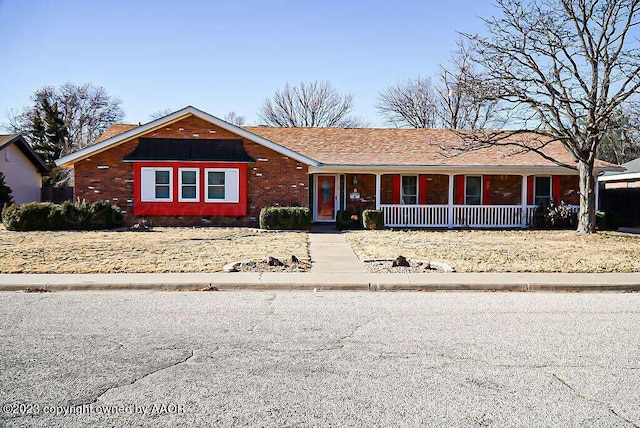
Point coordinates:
[[326, 191]]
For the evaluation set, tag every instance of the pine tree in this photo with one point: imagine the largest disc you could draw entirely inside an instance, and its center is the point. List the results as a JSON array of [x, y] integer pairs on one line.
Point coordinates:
[[6, 197], [49, 135]]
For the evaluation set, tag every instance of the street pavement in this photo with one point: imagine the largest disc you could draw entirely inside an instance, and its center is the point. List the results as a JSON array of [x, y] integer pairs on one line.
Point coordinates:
[[304, 358]]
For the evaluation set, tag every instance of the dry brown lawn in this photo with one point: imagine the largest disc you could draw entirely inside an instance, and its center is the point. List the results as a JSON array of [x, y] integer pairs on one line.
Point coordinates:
[[505, 251], [161, 250]]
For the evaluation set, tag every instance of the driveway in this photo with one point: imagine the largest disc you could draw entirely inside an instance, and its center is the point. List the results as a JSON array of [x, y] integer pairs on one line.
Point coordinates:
[[319, 359]]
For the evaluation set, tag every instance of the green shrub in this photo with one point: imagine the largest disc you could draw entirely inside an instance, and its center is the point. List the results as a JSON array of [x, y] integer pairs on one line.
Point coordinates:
[[349, 220], [607, 220], [285, 218], [11, 216], [68, 216], [373, 219]]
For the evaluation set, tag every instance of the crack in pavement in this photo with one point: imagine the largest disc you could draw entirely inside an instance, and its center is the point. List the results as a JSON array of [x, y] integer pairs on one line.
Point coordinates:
[[340, 344], [271, 310], [134, 381], [95, 400], [594, 400]]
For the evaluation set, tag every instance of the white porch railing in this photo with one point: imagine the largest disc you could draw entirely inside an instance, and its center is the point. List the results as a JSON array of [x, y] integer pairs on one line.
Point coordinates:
[[489, 216], [415, 215]]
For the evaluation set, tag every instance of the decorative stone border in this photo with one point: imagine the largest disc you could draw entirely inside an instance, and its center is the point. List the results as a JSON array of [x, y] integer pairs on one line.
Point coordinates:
[[234, 266], [431, 264]]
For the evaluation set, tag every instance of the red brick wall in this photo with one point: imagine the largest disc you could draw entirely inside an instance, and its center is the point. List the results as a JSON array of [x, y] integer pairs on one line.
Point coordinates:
[[506, 190], [273, 179], [437, 189], [366, 187], [569, 189]]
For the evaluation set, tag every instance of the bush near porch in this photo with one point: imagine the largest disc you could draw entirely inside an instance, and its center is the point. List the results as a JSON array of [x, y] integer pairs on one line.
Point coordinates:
[[505, 251]]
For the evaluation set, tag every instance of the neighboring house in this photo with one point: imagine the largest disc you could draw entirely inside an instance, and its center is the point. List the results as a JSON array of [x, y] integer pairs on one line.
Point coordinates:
[[620, 193], [190, 168], [22, 167]]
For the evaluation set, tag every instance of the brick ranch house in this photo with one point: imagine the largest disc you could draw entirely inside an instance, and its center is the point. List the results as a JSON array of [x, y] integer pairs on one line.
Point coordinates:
[[191, 168]]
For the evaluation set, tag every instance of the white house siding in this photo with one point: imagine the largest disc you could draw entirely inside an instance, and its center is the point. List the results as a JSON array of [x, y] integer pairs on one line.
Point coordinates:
[[20, 175]]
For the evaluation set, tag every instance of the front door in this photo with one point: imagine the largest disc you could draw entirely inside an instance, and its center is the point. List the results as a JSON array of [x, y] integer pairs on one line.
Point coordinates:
[[326, 198]]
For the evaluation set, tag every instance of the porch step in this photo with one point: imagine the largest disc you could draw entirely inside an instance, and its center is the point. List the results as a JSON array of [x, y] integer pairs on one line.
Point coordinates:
[[330, 253]]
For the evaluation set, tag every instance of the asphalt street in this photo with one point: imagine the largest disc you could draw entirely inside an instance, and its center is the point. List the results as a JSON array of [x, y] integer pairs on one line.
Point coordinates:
[[320, 359]]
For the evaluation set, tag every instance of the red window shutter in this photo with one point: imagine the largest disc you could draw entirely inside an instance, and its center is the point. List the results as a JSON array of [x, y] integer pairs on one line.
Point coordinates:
[[422, 189], [555, 189], [486, 191], [459, 196], [530, 181], [395, 195]]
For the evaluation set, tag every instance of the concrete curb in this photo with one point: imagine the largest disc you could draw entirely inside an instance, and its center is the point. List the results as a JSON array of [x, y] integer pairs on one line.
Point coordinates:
[[345, 281]]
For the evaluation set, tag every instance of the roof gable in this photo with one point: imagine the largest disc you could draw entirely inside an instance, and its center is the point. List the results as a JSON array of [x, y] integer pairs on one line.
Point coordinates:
[[19, 141], [132, 131]]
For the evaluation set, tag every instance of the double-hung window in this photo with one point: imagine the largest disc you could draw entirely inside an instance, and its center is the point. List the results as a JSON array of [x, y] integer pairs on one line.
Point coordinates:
[[473, 190], [222, 185], [542, 191], [189, 182], [409, 189], [157, 184]]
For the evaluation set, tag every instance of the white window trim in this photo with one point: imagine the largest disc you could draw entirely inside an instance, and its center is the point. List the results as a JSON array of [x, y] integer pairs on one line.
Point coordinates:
[[481, 188], [143, 184], [535, 179], [228, 176], [197, 198], [402, 189]]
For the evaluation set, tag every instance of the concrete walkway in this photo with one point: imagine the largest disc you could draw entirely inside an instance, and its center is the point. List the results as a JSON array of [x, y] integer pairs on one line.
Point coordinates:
[[330, 252]]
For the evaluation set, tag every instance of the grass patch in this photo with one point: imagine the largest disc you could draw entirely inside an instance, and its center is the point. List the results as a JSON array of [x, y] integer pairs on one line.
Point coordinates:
[[162, 250], [505, 251]]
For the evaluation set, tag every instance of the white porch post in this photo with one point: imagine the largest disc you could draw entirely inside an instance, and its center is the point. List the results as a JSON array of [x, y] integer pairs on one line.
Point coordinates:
[[450, 203], [597, 192], [378, 184], [524, 197]]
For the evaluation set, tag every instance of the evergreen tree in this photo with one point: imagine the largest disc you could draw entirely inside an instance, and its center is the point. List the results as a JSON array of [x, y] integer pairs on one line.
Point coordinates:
[[6, 197], [49, 134]]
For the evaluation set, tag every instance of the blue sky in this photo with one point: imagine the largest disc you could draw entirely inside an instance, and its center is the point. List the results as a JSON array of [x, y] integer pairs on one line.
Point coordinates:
[[224, 55]]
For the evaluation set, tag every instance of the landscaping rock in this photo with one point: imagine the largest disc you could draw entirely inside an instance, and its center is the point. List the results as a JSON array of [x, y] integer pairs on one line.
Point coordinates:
[[294, 259], [400, 262], [274, 262]]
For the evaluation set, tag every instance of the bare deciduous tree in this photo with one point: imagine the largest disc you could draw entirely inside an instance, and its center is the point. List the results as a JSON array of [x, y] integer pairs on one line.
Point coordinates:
[[562, 69], [234, 119], [314, 104], [87, 111], [160, 113], [411, 103], [462, 95], [622, 144]]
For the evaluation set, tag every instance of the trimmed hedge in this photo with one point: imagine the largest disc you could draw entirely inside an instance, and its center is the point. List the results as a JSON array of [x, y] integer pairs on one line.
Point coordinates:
[[373, 219], [68, 216], [349, 220], [285, 218]]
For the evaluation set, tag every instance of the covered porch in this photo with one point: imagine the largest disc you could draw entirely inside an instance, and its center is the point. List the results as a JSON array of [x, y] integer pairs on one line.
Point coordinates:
[[439, 199]]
